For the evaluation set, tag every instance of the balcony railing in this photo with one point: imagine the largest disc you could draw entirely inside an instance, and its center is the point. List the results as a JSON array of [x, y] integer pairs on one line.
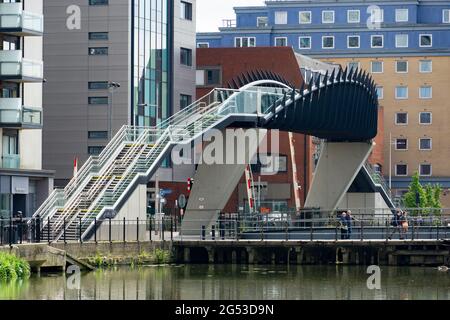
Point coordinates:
[[13, 20], [14, 115], [11, 161], [14, 67]]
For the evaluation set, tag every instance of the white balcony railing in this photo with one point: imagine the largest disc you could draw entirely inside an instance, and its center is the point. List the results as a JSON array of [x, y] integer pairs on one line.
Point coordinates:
[[12, 113], [14, 19], [13, 65]]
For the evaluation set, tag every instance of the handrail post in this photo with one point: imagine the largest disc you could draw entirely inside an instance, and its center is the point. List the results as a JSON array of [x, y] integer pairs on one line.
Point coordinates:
[[150, 227], [171, 228], [20, 229], [95, 230], [362, 230], [124, 230], [1, 232], [311, 230], [79, 230], [109, 231], [213, 232], [10, 230], [203, 233], [38, 228], [137, 230], [64, 231], [48, 229]]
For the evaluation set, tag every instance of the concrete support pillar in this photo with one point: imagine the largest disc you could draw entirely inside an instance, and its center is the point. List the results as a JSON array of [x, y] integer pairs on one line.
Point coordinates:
[[288, 256], [187, 255], [339, 164], [273, 258]]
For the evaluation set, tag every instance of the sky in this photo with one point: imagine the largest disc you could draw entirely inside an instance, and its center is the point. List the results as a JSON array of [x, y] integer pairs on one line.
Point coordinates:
[[210, 13]]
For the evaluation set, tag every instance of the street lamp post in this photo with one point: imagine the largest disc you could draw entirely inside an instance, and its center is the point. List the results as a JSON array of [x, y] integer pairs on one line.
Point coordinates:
[[112, 86], [157, 195]]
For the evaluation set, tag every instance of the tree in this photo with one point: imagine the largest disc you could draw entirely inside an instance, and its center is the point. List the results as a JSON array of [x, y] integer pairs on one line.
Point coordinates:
[[429, 197]]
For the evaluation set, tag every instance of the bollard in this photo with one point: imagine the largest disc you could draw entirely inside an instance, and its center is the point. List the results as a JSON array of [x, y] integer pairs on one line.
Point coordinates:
[[213, 233], [203, 233], [137, 230], [124, 231], [110, 235]]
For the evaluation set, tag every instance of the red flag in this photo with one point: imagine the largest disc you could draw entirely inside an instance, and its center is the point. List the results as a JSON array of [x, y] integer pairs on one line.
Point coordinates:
[[75, 167]]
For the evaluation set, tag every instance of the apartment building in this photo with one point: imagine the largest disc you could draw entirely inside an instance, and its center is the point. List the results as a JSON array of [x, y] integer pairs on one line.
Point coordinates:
[[121, 63], [23, 183], [404, 44]]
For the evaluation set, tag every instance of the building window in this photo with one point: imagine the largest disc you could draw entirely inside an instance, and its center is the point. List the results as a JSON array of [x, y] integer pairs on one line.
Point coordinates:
[[95, 150], [98, 85], [328, 16], [401, 118], [98, 2], [353, 65], [98, 51], [425, 144], [273, 164], [262, 22], [401, 92], [186, 57], [304, 42], [401, 170], [186, 10], [376, 15], [425, 118], [244, 42], [353, 42], [377, 66], [353, 16], [425, 66], [401, 41], [426, 40], [98, 135], [98, 36], [401, 66], [328, 42], [425, 92], [446, 16], [185, 101], [98, 100], [377, 41], [425, 170], [213, 77], [203, 45], [401, 15], [380, 93], [281, 17], [304, 17], [281, 42], [401, 144]]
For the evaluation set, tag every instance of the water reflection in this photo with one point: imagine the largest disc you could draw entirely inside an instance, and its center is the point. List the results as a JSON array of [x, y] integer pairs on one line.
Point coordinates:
[[199, 282]]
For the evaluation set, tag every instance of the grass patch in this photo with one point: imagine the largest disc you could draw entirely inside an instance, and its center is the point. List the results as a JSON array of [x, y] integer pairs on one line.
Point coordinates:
[[12, 267]]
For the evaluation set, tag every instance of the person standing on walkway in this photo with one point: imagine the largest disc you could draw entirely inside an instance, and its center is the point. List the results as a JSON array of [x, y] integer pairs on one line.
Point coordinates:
[[403, 225], [343, 225], [349, 219], [396, 223]]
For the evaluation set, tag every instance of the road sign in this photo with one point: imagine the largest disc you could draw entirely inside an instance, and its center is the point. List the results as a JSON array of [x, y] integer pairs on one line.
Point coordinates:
[[165, 192], [182, 202]]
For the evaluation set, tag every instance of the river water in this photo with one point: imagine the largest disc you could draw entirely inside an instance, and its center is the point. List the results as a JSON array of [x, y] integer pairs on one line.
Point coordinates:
[[220, 282]]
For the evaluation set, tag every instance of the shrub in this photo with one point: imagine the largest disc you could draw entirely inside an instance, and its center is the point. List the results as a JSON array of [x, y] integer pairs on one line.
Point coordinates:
[[12, 267]]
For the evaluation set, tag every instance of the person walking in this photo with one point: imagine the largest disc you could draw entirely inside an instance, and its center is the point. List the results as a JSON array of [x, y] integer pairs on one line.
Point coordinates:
[[403, 225], [396, 223], [343, 225]]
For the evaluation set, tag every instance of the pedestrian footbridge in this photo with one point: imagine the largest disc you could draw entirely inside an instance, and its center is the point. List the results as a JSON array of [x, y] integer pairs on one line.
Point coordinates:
[[341, 108]]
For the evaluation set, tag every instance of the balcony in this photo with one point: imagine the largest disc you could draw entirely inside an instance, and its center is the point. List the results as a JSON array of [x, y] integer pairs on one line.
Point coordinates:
[[10, 161], [15, 21], [14, 115], [13, 67]]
